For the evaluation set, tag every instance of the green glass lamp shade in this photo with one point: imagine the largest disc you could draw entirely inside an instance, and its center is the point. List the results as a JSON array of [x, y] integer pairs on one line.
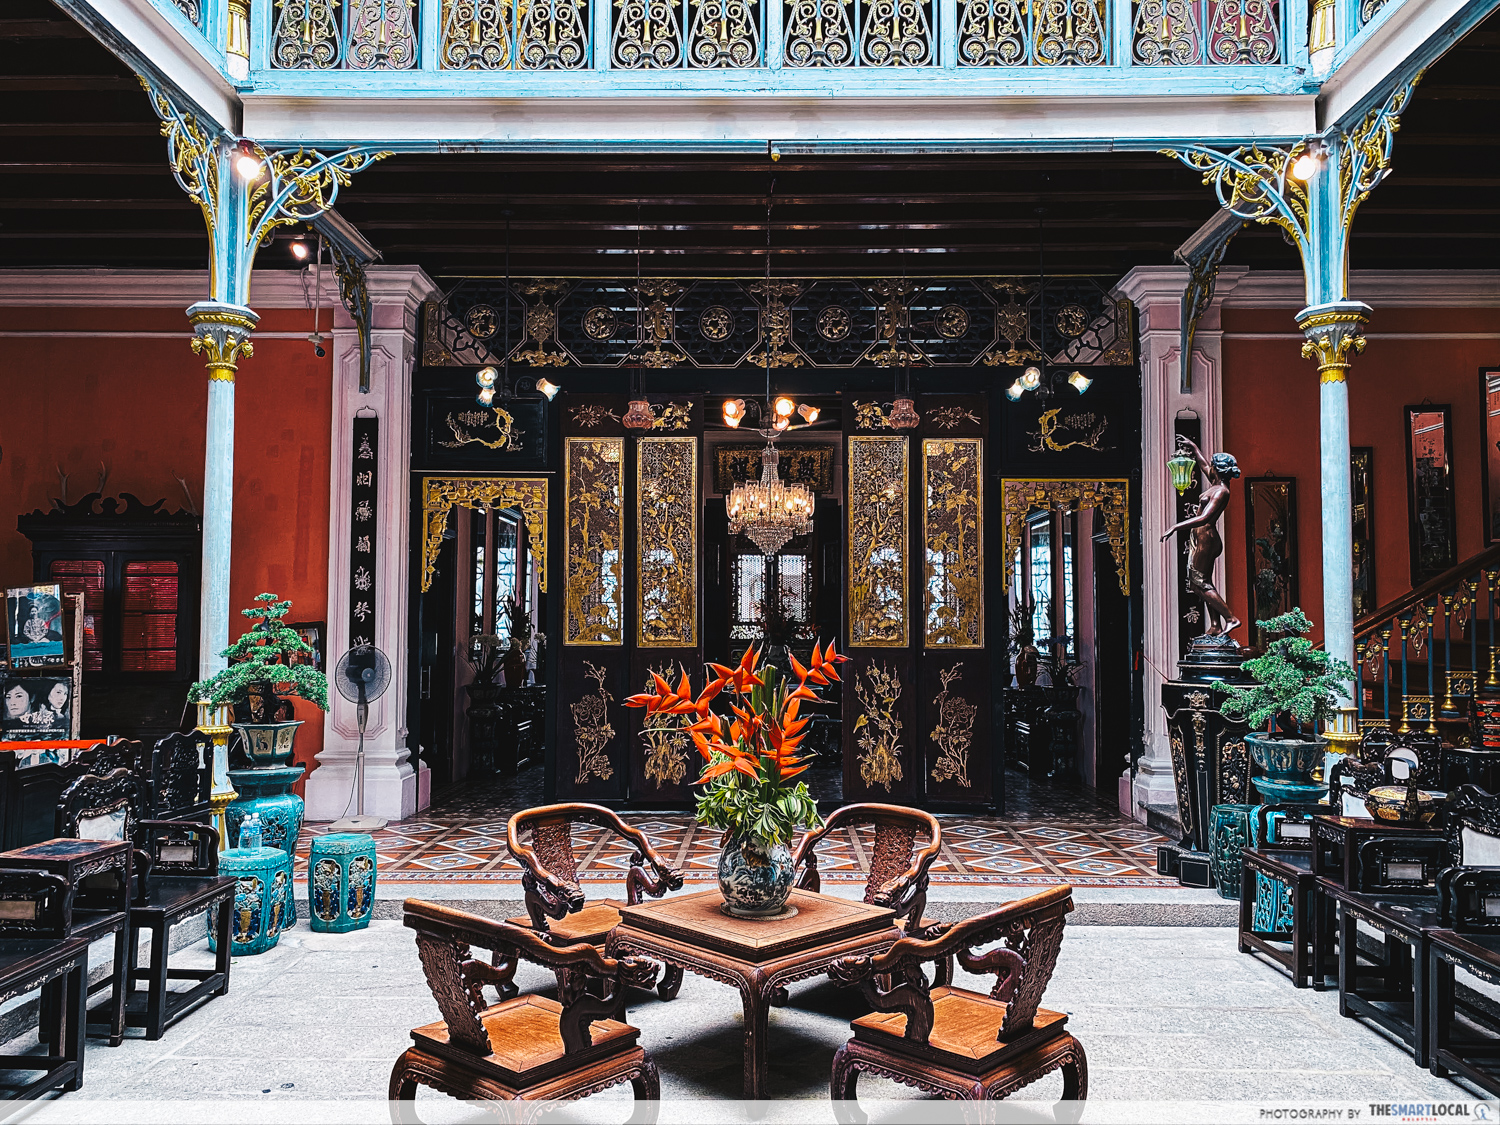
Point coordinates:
[[1181, 470]]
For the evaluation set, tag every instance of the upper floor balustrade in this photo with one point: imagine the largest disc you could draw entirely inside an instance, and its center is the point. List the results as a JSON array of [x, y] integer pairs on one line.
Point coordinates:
[[625, 35]]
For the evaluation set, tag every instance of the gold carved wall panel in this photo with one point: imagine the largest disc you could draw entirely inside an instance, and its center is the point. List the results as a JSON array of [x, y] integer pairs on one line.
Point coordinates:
[[1018, 498], [441, 494], [594, 541], [878, 515], [953, 538], [667, 542]]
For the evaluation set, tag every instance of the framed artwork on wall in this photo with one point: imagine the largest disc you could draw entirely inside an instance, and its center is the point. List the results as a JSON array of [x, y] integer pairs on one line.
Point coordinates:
[[1489, 446], [1270, 548], [1362, 476], [311, 633], [1429, 476]]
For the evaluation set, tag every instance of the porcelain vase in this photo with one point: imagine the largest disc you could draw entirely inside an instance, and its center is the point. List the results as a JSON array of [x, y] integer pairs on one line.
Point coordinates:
[[755, 883]]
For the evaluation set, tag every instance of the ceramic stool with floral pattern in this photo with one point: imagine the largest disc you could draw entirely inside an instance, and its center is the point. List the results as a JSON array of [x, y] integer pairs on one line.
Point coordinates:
[[341, 882], [262, 900]]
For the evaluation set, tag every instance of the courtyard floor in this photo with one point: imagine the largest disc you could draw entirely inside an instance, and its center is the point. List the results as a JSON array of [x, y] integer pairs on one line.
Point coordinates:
[[1177, 1024]]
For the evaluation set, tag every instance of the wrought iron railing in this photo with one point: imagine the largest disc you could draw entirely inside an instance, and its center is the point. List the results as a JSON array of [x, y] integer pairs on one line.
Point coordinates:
[[489, 35], [1420, 657]]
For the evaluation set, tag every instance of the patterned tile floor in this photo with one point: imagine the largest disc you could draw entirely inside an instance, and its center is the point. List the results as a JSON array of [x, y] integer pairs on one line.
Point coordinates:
[[1047, 837]]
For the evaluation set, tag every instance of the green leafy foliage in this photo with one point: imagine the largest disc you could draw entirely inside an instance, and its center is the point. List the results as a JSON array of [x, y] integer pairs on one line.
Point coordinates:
[[260, 657], [768, 809], [1296, 684]]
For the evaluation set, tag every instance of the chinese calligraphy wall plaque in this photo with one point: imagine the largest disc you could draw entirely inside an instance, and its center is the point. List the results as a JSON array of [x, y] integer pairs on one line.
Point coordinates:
[[363, 535]]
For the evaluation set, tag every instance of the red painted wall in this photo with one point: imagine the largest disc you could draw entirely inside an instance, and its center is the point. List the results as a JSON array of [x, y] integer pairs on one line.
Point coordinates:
[[138, 405], [1271, 426]]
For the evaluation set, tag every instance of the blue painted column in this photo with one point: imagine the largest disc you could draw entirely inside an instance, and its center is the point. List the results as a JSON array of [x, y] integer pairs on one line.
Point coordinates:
[[1333, 324], [221, 334]]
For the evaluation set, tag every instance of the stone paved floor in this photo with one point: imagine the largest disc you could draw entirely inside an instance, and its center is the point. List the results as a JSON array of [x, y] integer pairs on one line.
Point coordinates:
[[1165, 1014]]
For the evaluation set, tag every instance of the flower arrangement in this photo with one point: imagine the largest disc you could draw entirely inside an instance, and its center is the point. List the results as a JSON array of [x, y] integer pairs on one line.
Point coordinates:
[[262, 665], [751, 758]]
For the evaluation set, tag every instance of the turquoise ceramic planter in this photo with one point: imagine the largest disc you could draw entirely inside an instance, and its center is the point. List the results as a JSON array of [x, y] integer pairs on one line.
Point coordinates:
[[268, 792], [1286, 760], [341, 882], [1231, 829], [753, 882], [268, 744], [262, 900]]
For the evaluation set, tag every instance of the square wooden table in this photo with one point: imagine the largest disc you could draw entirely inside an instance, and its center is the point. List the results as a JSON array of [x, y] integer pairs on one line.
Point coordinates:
[[758, 956]]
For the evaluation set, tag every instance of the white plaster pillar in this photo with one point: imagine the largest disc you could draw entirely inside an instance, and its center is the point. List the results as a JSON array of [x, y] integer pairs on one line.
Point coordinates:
[[1157, 294], [391, 782]]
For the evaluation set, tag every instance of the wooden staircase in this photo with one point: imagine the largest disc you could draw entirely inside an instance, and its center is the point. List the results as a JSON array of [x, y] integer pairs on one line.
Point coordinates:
[[1420, 658]]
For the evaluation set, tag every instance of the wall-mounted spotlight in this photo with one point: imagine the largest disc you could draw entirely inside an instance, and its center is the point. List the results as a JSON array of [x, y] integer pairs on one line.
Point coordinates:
[[300, 249], [1311, 162], [247, 163]]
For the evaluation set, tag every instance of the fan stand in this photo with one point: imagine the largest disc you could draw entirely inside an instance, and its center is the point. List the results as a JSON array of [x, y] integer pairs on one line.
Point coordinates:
[[359, 822]]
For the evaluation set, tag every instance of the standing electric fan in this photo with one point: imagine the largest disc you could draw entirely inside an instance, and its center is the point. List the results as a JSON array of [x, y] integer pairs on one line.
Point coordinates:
[[362, 675]]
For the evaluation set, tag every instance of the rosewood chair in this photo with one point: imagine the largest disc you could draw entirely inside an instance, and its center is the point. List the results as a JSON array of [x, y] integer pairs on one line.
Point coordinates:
[[898, 868], [527, 1047], [556, 904], [176, 876], [953, 1042]]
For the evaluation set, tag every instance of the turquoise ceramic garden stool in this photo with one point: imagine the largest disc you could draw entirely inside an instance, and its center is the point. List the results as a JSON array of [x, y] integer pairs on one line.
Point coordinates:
[[262, 901], [1231, 829], [341, 882]]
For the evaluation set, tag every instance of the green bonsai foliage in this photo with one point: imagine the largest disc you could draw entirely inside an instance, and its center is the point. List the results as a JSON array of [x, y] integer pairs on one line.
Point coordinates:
[[1295, 683], [262, 656]]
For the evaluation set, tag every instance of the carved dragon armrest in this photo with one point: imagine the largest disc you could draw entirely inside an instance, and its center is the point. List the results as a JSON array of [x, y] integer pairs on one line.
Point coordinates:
[[548, 895], [906, 893], [650, 873], [805, 859]]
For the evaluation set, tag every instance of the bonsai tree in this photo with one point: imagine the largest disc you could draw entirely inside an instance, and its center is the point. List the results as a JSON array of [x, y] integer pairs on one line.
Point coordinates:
[[261, 666], [1296, 685]]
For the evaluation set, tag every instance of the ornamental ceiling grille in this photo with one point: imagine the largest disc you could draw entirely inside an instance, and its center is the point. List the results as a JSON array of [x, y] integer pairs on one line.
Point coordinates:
[[813, 322]]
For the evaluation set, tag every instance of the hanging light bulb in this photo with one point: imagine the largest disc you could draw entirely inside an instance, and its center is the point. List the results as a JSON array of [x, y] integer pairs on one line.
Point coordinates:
[[639, 416], [781, 423], [246, 163], [300, 250], [809, 413], [785, 407], [1015, 391], [734, 412], [1031, 378], [547, 387], [1080, 381], [1310, 163]]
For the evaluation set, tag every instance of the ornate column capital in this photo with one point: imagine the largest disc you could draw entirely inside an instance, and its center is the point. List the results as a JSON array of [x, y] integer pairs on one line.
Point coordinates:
[[1333, 331], [221, 334]]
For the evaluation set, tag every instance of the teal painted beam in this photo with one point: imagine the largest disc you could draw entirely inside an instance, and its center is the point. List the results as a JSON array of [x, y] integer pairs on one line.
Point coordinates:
[[1042, 83]]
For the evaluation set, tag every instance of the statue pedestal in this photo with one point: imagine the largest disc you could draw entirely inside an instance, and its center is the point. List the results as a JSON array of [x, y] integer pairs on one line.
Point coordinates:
[[1210, 764]]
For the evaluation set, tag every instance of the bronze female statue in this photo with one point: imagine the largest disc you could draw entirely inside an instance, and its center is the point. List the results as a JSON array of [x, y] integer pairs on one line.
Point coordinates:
[[1207, 546]]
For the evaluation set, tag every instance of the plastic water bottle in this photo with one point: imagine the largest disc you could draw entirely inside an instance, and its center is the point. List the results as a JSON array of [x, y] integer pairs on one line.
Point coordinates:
[[250, 834]]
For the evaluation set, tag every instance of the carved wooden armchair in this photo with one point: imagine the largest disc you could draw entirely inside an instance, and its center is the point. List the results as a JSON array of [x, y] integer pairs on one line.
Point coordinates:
[[957, 1043], [556, 904], [898, 869], [526, 1047]]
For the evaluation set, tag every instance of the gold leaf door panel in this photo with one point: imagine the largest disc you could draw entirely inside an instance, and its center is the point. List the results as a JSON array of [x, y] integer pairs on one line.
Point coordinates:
[[593, 542], [952, 537], [667, 542], [878, 516]]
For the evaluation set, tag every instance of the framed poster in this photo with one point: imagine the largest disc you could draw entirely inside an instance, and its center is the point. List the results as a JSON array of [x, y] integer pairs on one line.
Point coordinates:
[[1270, 548], [1362, 491], [37, 709], [34, 624], [311, 633], [1429, 478], [1489, 447]]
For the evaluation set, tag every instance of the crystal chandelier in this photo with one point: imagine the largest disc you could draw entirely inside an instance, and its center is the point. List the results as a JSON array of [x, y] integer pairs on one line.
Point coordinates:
[[770, 511]]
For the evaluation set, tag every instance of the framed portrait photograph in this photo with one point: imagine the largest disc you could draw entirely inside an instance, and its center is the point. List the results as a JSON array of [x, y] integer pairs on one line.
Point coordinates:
[[37, 709], [34, 624]]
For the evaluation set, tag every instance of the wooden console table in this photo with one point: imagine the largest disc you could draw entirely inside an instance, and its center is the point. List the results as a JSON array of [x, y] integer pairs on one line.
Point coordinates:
[[757, 956]]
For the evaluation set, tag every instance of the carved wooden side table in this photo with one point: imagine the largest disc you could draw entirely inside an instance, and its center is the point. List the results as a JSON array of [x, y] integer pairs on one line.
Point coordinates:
[[757, 956]]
